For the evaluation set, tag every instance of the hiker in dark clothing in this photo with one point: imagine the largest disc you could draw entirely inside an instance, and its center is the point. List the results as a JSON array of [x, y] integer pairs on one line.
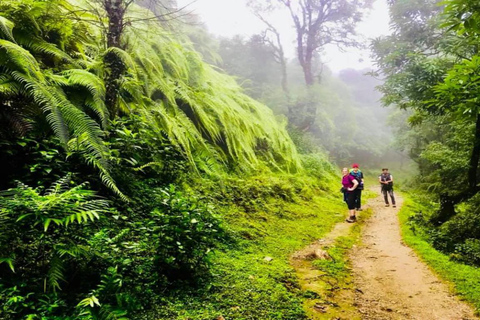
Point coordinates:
[[358, 192], [386, 180], [349, 184]]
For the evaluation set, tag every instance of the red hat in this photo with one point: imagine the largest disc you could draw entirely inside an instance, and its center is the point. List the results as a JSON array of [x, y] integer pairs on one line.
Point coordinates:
[[355, 165]]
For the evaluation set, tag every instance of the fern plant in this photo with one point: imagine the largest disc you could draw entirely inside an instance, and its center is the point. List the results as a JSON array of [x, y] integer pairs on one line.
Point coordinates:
[[37, 227], [55, 66], [114, 304], [72, 101], [201, 110]]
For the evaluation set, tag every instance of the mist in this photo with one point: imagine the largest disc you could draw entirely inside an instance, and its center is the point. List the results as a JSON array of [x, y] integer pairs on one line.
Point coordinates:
[[348, 120]]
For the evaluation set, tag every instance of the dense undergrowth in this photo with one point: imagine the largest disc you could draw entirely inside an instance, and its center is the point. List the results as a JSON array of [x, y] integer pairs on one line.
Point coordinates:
[[251, 278], [194, 250], [178, 198]]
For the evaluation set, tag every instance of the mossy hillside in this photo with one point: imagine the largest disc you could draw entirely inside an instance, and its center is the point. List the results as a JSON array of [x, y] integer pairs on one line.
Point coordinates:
[[271, 217], [465, 279]]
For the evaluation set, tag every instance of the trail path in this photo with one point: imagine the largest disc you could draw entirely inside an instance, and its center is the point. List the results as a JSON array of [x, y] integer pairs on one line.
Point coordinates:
[[389, 280], [394, 283]]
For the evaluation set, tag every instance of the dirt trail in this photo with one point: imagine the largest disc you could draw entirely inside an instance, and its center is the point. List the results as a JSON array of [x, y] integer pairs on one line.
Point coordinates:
[[389, 280], [392, 283]]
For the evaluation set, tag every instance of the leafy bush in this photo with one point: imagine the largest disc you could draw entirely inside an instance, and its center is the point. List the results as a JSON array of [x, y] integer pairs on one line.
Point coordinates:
[[65, 257], [468, 252], [187, 232], [317, 165], [464, 225], [459, 236], [43, 243]]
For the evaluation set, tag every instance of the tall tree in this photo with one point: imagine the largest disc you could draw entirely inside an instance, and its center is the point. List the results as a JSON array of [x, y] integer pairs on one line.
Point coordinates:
[[322, 22], [272, 37], [317, 24], [434, 71]]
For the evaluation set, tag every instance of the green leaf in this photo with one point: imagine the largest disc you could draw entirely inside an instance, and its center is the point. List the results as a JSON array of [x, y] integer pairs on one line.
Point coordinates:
[[91, 301], [8, 261]]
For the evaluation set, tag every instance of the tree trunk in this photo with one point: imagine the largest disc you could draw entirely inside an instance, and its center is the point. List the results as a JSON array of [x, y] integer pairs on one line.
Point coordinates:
[[448, 202], [115, 11], [286, 91], [475, 157], [308, 73]]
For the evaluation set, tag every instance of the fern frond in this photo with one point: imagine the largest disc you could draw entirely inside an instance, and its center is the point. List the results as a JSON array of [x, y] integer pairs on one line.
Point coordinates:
[[122, 56], [91, 301], [55, 272], [8, 87], [6, 27], [39, 46], [18, 59], [110, 183], [59, 186], [83, 78], [71, 249], [113, 313], [8, 261], [150, 164]]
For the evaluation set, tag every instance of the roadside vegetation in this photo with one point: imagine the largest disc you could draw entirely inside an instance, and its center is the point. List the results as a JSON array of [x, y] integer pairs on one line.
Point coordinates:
[[140, 182], [458, 266]]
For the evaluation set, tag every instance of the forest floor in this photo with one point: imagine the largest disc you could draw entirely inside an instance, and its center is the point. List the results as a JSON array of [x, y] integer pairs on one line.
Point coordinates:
[[384, 278]]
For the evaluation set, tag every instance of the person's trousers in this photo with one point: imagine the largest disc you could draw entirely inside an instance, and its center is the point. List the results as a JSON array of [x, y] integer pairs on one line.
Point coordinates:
[[351, 196], [358, 198], [386, 193]]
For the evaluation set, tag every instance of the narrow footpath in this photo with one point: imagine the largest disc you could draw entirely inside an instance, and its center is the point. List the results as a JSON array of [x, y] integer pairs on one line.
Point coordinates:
[[388, 279], [391, 281]]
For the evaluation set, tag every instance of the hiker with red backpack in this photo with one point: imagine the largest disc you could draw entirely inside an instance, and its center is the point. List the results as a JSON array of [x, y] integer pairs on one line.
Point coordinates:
[[358, 175], [386, 181]]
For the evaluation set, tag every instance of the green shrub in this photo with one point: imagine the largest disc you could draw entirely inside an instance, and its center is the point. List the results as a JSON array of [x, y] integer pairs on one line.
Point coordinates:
[[466, 224], [317, 165], [42, 244], [186, 230], [468, 252], [153, 251], [459, 237], [67, 254]]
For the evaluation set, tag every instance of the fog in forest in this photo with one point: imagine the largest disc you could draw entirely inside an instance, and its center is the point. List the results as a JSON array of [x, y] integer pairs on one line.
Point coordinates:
[[336, 108]]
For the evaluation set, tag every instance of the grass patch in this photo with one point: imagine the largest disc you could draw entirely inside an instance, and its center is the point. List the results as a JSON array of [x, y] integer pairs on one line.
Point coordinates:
[[252, 278], [465, 279], [271, 218]]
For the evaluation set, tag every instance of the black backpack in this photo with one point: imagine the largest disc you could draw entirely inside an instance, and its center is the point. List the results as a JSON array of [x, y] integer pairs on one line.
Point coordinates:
[[359, 180], [385, 178]]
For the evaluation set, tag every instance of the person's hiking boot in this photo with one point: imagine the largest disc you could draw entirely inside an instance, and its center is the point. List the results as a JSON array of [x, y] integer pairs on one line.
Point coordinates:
[[351, 219], [393, 205], [387, 205]]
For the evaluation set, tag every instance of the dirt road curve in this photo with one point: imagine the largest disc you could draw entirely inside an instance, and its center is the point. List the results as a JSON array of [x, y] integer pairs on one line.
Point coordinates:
[[390, 280]]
